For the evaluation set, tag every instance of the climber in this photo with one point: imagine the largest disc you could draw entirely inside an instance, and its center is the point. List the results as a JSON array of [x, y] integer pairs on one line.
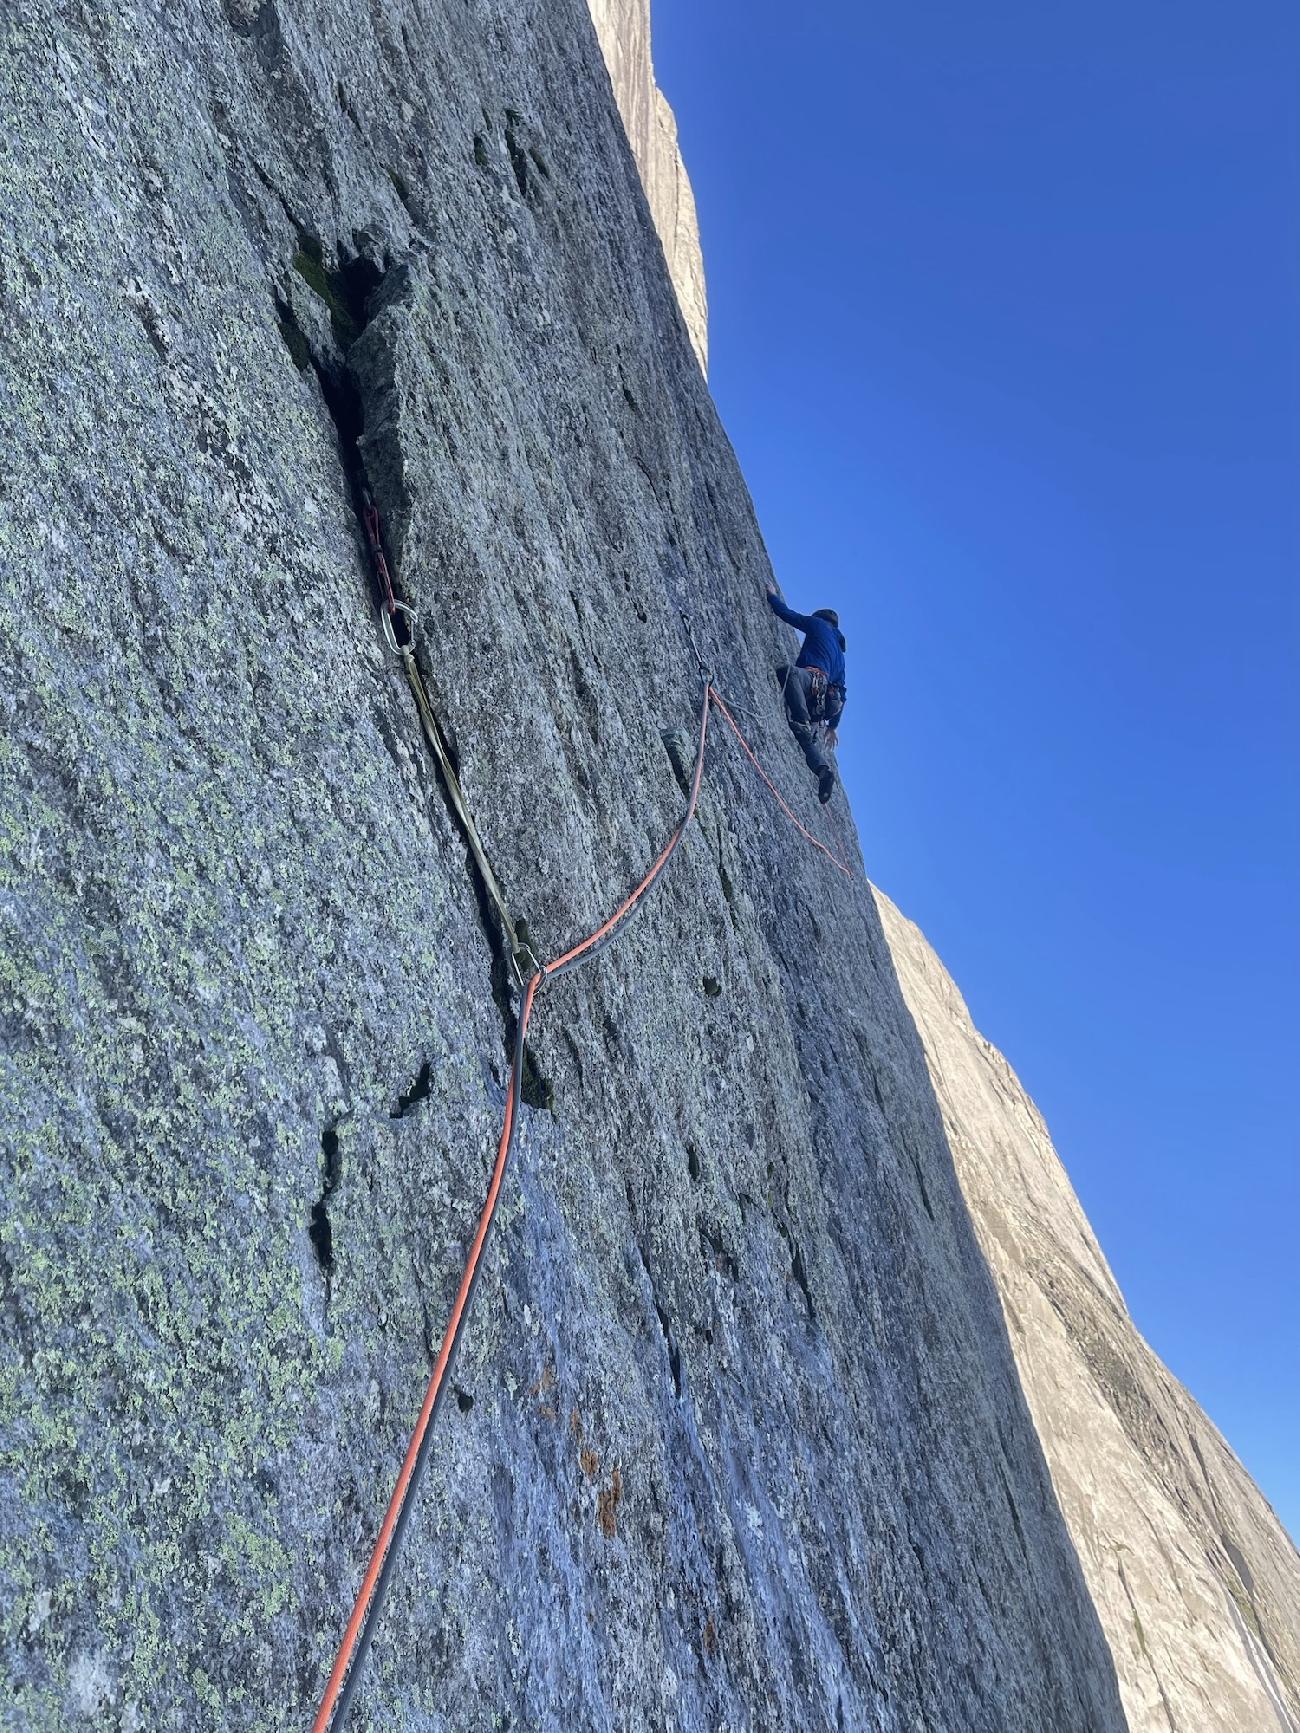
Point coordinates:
[[814, 687]]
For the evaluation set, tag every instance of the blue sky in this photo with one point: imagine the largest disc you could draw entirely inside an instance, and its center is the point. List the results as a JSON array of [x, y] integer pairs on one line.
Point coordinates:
[[1004, 330]]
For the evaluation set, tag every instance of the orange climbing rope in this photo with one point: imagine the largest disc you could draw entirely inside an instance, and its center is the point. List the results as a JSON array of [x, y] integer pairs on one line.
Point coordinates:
[[606, 931], [346, 1672], [748, 750]]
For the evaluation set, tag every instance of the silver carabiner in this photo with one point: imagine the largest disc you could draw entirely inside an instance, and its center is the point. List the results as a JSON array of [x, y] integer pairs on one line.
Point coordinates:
[[386, 617], [706, 673]]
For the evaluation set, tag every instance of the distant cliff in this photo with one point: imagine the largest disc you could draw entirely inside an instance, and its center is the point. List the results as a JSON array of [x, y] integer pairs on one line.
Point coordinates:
[[1196, 1581], [623, 27]]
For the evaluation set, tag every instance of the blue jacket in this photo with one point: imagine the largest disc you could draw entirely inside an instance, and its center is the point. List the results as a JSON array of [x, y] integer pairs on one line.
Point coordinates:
[[823, 645]]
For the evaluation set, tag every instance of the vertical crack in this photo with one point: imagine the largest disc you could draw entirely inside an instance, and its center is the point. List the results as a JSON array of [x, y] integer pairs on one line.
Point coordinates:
[[320, 1230], [351, 293], [674, 1353], [1146, 1653], [799, 1270]]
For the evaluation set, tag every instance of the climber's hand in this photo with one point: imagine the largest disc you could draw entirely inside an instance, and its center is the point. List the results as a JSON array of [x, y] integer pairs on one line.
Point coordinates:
[[832, 738], [772, 589]]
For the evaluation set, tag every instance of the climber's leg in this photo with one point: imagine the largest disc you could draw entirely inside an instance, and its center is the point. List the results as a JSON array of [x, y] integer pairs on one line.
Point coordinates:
[[802, 727]]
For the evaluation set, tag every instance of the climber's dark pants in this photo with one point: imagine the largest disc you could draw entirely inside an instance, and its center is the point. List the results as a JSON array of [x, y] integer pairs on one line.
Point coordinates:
[[805, 731]]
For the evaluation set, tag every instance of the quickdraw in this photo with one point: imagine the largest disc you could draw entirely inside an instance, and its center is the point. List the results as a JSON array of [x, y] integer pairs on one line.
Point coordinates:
[[706, 672], [398, 621]]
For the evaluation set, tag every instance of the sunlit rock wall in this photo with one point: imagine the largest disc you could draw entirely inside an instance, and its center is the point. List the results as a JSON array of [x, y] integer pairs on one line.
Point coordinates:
[[1196, 1581], [623, 27]]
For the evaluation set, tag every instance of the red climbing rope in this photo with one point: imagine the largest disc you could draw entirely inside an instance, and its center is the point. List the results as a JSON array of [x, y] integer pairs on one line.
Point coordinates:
[[627, 908], [346, 1672], [396, 628], [748, 750], [356, 1638]]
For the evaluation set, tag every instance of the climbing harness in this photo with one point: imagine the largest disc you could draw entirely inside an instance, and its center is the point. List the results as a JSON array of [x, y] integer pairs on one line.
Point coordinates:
[[349, 1663], [820, 688]]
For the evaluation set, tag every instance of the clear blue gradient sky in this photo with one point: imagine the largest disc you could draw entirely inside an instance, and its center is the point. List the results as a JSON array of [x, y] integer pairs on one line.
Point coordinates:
[[1004, 330]]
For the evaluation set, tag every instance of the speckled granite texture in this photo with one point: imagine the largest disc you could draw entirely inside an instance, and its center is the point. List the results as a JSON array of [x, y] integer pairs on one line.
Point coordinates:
[[738, 1441]]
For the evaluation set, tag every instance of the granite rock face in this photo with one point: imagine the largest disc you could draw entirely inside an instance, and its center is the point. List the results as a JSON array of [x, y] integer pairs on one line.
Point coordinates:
[[737, 1439], [623, 27], [1196, 1581]]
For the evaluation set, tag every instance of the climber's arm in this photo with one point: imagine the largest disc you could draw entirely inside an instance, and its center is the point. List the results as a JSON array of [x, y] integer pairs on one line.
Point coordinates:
[[800, 622]]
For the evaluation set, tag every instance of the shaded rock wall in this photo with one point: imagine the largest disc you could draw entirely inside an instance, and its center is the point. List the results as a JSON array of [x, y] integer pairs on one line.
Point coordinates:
[[623, 27], [737, 1440], [1196, 1581]]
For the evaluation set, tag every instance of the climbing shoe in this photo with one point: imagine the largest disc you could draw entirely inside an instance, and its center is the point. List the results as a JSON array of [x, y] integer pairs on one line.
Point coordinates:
[[825, 784]]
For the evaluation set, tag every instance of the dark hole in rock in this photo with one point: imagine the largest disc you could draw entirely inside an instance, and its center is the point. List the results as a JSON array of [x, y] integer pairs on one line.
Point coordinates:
[[537, 1089], [319, 1228], [329, 1143], [401, 189], [322, 1237], [419, 1091], [799, 1270], [341, 97], [294, 341], [348, 294]]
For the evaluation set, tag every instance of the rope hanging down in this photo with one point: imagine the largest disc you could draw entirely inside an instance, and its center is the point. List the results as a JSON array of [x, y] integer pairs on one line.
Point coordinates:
[[349, 1663], [360, 1629]]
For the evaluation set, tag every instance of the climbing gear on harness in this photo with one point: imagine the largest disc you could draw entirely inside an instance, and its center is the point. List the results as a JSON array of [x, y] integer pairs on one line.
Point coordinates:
[[820, 689]]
